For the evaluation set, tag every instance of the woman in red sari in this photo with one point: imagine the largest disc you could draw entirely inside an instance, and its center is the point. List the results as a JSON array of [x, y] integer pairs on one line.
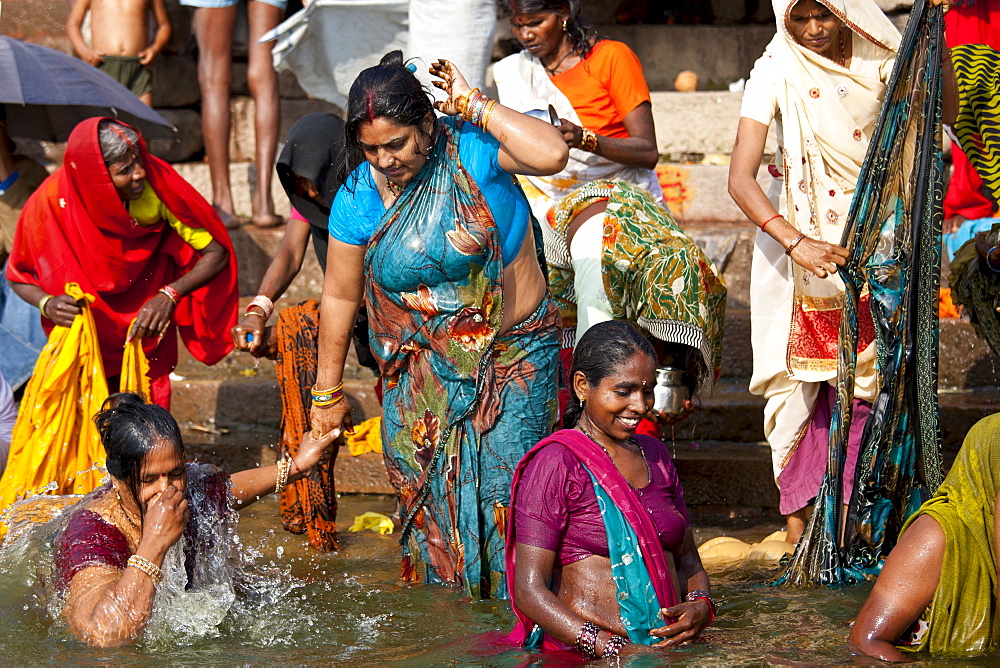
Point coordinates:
[[131, 232]]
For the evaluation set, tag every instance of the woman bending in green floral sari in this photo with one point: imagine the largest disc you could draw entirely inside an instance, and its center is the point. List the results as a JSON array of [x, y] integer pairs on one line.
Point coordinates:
[[432, 231]]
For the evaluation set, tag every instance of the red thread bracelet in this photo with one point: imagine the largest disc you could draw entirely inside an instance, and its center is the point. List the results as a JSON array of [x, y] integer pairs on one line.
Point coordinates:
[[764, 224]]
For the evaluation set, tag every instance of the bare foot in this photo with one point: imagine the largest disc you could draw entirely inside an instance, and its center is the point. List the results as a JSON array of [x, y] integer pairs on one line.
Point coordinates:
[[266, 220], [229, 219]]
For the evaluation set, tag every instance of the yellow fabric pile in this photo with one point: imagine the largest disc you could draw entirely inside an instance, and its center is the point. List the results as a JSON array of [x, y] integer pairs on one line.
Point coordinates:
[[55, 447], [367, 437], [373, 522]]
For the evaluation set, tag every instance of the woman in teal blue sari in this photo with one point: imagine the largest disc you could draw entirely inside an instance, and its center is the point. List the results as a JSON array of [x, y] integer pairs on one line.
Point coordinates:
[[432, 231]]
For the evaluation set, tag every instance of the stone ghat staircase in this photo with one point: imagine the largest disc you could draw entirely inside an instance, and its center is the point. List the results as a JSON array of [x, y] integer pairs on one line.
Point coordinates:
[[720, 451]]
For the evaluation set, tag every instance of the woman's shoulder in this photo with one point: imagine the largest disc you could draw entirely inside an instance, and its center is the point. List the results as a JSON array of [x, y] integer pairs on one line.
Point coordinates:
[[554, 458], [356, 189], [609, 49]]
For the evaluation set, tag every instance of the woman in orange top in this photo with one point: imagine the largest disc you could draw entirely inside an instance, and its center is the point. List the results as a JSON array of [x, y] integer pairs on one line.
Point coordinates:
[[597, 88]]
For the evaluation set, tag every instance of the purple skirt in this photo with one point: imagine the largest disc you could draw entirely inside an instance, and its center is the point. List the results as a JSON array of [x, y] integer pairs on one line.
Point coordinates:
[[800, 480]]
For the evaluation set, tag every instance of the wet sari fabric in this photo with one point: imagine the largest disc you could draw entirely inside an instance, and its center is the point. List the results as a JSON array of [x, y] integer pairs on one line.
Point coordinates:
[[462, 403], [893, 234], [963, 615]]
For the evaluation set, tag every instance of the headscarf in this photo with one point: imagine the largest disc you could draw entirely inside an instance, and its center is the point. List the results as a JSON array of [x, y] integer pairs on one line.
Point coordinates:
[[823, 107], [76, 228], [314, 150]]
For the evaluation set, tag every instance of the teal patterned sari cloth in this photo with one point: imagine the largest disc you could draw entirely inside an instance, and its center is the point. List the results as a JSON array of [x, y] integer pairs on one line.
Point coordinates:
[[893, 234], [637, 603], [462, 403]]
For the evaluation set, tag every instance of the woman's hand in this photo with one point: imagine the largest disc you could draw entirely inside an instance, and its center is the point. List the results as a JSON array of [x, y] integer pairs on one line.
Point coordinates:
[[691, 616], [164, 519], [248, 334], [944, 3], [672, 418], [819, 257], [332, 420], [571, 133], [153, 318], [313, 449], [454, 85], [62, 309]]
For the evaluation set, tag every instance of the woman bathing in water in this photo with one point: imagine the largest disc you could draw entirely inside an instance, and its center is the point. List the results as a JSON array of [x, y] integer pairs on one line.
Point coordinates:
[[113, 551]]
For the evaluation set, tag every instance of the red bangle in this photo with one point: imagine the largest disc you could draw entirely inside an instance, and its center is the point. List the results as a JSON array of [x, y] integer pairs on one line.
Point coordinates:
[[171, 293], [764, 224], [711, 607]]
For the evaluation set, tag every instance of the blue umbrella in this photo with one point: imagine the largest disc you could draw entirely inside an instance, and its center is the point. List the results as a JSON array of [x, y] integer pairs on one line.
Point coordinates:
[[47, 93]]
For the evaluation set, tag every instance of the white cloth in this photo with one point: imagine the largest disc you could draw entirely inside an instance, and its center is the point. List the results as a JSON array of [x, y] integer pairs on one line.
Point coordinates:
[[525, 86], [825, 115], [587, 250], [461, 31], [329, 42]]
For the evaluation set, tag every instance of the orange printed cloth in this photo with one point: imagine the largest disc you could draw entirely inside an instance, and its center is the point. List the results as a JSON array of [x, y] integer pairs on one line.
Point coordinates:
[[308, 505]]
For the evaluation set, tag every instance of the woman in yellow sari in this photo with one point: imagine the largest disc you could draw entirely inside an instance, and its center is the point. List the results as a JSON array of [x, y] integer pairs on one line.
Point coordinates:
[[938, 588]]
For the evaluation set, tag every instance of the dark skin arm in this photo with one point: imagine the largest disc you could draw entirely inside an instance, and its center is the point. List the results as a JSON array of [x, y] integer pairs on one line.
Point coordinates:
[[817, 256], [154, 316], [904, 589], [162, 36], [636, 150], [248, 486], [280, 273]]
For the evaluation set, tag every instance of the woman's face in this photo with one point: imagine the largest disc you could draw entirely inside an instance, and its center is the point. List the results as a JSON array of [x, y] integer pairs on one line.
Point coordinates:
[[812, 25], [129, 178], [162, 468], [621, 399], [396, 151], [541, 34]]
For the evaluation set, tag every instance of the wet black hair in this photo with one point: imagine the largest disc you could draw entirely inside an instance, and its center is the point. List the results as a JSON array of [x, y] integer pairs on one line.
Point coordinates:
[[598, 354], [388, 89], [129, 429], [578, 29]]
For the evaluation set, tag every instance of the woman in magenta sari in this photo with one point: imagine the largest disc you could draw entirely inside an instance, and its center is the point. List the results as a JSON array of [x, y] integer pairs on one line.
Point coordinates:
[[600, 553]]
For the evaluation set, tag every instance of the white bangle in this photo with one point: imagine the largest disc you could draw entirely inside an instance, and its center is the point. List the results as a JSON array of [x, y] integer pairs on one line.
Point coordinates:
[[264, 304]]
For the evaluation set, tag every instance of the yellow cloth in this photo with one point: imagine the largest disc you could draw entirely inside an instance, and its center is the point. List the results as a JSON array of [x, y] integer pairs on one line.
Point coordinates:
[[367, 437], [55, 444], [148, 210], [374, 522], [135, 368], [963, 616]]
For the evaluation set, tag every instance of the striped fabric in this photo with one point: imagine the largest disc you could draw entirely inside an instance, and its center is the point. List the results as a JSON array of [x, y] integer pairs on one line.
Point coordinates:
[[977, 70]]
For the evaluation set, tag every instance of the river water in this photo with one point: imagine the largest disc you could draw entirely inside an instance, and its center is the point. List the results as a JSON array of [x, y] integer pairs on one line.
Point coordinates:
[[350, 608]]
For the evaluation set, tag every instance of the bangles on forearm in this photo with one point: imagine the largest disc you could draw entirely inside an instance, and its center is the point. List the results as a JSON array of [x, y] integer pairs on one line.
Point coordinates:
[[328, 397], [43, 302], [264, 304], [476, 108], [588, 142], [696, 594], [146, 566]]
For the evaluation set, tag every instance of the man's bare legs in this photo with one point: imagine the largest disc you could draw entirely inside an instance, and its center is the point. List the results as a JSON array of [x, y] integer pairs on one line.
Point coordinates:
[[214, 31], [263, 81]]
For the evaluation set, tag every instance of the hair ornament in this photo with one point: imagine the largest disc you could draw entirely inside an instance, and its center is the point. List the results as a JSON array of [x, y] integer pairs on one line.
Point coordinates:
[[412, 67]]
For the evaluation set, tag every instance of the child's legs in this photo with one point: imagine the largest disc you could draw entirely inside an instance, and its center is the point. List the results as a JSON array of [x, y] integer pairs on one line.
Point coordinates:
[[214, 31], [263, 81]]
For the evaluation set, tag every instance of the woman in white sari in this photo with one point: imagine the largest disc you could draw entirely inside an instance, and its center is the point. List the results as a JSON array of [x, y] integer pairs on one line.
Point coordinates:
[[821, 80]]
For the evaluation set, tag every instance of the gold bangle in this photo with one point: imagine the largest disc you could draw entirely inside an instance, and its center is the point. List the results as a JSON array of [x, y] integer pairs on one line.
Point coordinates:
[[284, 466], [336, 388], [462, 103], [589, 141], [487, 113], [790, 247], [146, 566], [43, 302]]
